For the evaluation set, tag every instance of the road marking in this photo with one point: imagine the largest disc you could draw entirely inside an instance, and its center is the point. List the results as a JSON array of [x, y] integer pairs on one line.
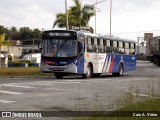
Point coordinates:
[[6, 101], [138, 94], [41, 84], [17, 86], [66, 82], [58, 89], [9, 92], [93, 80]]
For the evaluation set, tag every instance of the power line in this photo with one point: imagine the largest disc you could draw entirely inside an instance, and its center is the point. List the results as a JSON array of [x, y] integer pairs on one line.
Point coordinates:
[[99, 2], [133, 32]]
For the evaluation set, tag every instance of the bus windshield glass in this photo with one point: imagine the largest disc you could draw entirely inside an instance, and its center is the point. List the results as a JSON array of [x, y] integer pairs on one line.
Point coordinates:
[[59, 48]]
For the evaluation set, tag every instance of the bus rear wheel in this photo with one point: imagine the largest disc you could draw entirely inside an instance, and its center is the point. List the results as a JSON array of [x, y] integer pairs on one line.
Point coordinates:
[[89, 72], [121, 71], [58, 75], [158, 61]]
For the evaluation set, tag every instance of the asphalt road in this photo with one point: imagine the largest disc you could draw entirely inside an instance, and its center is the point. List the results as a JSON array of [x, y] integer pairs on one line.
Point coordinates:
[[75, 93]]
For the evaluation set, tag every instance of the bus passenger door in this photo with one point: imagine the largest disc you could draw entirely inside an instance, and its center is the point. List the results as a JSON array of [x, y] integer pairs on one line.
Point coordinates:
[[80, 57]]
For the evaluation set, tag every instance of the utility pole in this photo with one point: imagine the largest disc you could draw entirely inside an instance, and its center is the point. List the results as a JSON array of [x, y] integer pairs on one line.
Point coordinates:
[[96, 11], [0, 55], [110, 17], [33, 46], [67, 28], [95, 16]]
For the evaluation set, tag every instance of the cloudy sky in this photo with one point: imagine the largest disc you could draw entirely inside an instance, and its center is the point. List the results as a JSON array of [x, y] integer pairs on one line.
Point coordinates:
[[130, 18]]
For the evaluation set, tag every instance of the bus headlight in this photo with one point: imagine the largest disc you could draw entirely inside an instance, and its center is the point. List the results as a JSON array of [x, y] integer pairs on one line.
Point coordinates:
[[74, 62]]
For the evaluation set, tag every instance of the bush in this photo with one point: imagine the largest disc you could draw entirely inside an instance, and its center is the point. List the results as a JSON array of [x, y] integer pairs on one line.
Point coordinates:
[[19, 63], [25, 61]]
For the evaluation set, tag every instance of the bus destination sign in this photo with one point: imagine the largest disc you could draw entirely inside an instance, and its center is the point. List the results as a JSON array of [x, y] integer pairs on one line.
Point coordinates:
[[59, 34]]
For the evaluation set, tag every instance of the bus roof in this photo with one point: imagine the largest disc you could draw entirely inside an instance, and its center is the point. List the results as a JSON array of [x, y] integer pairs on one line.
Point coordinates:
[[106, 37]]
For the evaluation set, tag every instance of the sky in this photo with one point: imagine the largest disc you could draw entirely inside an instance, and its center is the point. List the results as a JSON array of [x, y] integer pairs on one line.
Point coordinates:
[[130, 18]]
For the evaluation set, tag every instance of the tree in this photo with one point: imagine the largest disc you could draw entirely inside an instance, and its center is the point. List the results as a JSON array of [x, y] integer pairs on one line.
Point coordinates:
[[24, 33], [36, 33], [6, 31], [13, 32], [3, 43], [78, 16]]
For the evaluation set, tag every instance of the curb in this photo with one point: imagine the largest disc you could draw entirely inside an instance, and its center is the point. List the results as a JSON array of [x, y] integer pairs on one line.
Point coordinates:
[[26, 76]]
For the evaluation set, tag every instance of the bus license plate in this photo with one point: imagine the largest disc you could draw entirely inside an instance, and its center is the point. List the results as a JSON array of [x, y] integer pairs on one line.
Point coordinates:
[[56, 68]]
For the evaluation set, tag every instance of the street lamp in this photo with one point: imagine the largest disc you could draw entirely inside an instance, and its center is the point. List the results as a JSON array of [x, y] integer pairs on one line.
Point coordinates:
[[95, 16], [110, 17], [67, 28], [96, 11]]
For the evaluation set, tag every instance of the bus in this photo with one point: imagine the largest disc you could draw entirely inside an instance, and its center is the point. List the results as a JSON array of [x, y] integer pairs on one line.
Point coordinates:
[[65, 52]]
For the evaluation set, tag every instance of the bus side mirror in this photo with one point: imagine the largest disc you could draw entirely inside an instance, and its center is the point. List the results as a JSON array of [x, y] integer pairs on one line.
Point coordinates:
[[80, 47], [40, 44]]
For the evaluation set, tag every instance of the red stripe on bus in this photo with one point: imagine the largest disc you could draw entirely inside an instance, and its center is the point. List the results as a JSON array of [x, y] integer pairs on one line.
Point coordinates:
[[112, 63]]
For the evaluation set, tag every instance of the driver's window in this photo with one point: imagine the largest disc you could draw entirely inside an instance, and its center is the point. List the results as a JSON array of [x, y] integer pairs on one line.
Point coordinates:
[[80, 47]]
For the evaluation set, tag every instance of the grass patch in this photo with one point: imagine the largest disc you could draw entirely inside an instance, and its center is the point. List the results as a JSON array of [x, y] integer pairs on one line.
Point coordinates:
[[22, 71], [132, 102], [149, 105]]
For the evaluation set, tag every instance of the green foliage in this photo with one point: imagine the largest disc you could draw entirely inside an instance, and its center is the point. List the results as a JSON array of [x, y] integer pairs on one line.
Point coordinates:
[[78, 16], [21, 71], [140, 107], [25, 61], [20, 61], [23, 33], [3, 41]]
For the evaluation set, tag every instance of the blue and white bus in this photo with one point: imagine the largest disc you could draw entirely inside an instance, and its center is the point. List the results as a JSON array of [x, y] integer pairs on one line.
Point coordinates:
[[76, 52]]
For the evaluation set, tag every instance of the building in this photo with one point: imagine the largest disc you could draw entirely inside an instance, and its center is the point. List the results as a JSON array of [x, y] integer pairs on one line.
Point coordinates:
[[15, 49], [30, 47]]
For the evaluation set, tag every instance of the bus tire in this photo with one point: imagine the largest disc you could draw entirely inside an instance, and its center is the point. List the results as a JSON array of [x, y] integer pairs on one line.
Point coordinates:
[[158, 61], [58, 75], [89, 72], [120, 72]]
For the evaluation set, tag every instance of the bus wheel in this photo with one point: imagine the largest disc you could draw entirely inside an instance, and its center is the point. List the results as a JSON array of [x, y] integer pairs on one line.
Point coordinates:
[[121, 71], [158, 61], [58, 75], [89, 72]]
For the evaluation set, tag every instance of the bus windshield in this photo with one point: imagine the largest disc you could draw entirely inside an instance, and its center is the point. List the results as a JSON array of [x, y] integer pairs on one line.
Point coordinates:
[[59, 48]]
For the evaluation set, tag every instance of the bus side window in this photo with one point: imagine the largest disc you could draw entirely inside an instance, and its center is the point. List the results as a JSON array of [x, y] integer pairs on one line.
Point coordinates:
[[80, 47], [132, 49], [96, 47], [108, 46], [121, 47], [92, 41], [105, 42], [115, 47], [127, 50], [89, 44], [101, 47]]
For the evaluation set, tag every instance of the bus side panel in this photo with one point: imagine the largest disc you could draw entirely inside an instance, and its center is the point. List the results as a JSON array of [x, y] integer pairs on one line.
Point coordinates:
[[111, 64], [129, 63], [117, 61], [80, 65]]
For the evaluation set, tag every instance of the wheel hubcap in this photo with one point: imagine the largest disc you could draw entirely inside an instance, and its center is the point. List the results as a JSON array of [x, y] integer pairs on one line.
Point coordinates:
[[121, 71], [88, 72]]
